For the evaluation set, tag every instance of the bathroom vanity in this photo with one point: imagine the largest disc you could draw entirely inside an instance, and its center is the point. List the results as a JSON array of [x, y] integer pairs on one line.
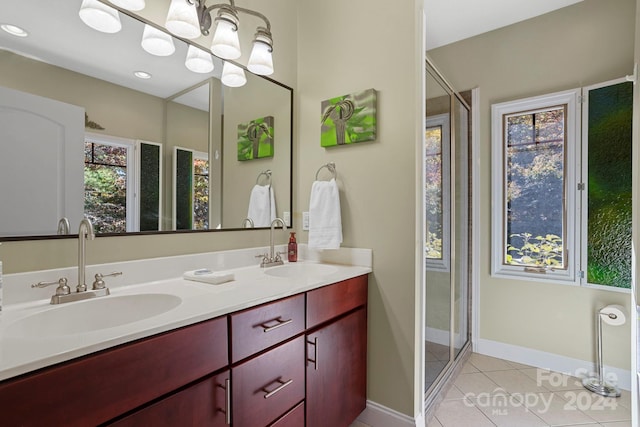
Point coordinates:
[[293, 360]]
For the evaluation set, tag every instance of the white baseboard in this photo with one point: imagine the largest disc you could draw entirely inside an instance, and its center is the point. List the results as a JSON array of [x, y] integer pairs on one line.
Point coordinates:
[[551, 361], [441, 337], [376, 415]]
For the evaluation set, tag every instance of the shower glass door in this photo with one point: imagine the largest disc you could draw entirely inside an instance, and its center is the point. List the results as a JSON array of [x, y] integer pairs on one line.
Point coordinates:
[[447, 202], [437, 190]]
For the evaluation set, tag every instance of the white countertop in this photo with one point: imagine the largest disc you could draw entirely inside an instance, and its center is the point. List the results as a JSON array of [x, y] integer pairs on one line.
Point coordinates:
[[252, 286]]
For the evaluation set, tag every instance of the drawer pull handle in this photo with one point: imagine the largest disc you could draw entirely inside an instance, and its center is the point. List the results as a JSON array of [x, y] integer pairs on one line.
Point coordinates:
[[281, 323], [227, 396], [282, 385], [314, 343]]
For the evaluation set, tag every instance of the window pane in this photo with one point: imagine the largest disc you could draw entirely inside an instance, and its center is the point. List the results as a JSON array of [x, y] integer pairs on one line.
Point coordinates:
[[535, 152], [105, 201], [433, 167], [609, 189], [201, 194]]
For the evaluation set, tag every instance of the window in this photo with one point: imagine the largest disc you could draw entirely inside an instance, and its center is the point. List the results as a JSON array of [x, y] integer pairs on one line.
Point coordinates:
[[561, 194], [191, 189], [437, 191], [107, 183]]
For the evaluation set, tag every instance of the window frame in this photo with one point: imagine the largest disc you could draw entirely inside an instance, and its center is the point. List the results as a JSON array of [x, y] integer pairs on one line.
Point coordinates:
[[584, 193], [499, 268], [131, 183], [444, 121]]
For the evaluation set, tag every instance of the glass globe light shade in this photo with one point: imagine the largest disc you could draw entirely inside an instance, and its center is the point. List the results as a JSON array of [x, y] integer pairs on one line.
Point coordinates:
[[182, 19], [157, 42], [198, 60], [129, 4], [261, 60], [232, 75], [225, 43], [99, 16]]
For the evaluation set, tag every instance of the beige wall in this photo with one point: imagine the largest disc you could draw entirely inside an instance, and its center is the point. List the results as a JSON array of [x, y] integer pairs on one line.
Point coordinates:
[[122, 112], [344, 47], [242, 106], [587, 43]]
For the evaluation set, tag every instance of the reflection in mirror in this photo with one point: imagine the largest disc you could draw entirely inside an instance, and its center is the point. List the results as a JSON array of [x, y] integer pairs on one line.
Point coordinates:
[[438, 231], [73, 115]]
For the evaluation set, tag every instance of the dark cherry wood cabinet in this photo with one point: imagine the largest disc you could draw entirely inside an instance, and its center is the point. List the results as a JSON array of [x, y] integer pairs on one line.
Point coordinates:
[[297, 361], [96, 388], [337, 356], [269, 385], [204, 404]]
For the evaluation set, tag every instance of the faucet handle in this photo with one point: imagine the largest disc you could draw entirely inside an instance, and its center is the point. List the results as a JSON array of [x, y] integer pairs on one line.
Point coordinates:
[[99, 283], [62, 289]]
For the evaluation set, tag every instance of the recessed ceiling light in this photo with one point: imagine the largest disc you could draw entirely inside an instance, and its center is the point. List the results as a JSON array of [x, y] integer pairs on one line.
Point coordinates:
[[142, 74], [14, 30]]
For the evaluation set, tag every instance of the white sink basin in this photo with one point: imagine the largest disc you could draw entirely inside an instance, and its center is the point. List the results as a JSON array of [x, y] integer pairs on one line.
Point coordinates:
[[301, 270], [92, 315]]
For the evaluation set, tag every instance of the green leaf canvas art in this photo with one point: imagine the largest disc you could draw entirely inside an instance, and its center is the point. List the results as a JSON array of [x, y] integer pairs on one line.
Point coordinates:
[[255, 139], [348, 119]]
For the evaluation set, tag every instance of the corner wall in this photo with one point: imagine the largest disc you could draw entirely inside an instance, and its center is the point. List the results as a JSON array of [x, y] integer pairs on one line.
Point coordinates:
[[345, 47], [586, 43]]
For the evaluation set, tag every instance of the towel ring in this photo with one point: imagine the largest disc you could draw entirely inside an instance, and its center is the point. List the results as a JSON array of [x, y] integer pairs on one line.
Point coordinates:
[[266, 173], [332, 168]]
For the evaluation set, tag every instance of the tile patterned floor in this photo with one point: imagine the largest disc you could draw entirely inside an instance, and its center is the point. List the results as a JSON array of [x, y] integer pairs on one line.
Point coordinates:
[[496, 393]]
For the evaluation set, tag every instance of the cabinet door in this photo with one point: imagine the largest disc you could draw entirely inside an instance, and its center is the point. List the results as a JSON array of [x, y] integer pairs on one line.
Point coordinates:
[[204, 404], [337, 371]]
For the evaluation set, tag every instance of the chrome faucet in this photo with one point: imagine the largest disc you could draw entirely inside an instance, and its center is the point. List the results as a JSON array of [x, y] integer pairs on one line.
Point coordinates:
[[63, 292], [84, 232], [63, 226], [272, 258], [247, 220]]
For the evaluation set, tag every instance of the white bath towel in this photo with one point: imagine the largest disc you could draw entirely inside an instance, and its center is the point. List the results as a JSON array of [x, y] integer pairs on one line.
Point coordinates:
[[325, 221], [205, 275], [262, 206]]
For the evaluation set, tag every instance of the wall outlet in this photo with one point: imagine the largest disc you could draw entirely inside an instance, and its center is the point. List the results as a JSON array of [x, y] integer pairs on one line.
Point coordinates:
[[287, 218], [305, 221]]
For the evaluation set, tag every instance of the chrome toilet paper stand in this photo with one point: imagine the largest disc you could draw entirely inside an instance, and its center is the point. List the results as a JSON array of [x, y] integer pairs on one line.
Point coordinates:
[[597, 384]]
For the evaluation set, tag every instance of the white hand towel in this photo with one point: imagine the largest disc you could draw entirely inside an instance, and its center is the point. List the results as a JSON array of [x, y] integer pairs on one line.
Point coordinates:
[[262, 206], [325, 222], [207, 276]]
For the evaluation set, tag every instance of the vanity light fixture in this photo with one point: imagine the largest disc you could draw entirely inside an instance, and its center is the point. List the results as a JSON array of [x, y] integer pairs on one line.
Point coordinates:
[[157, 42], [185, 17], [99, 16], [182, 19], [198, 60], [14, 30], [232, 75], [142, 75], [133, 5]]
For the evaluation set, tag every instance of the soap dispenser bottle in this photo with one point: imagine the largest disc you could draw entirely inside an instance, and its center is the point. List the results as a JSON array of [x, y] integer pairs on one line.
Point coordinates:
[[293, 248]]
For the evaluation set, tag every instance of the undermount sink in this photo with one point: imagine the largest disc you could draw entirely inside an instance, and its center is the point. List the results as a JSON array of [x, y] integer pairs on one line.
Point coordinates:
[[92, 315], [301, 270]]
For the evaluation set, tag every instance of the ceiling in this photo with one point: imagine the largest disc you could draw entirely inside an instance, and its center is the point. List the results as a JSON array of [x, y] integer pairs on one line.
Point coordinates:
[[58, 36], [449, 21]]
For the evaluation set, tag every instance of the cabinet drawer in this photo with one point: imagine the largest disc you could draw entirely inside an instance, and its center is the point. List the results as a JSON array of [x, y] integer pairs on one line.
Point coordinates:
[[267, 386], [293, 418], [330, 301], [99, 387], [203, 404], [258, 328]]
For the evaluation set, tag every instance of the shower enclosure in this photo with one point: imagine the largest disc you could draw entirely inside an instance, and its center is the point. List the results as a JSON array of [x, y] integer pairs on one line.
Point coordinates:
[[447, 240]]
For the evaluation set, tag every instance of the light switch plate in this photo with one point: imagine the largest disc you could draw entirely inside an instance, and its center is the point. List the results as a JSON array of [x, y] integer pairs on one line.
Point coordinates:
[[287, 218], [305, 221]]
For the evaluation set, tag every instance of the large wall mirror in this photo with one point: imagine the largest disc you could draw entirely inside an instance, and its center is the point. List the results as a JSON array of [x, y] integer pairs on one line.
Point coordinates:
[[81, 134]]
